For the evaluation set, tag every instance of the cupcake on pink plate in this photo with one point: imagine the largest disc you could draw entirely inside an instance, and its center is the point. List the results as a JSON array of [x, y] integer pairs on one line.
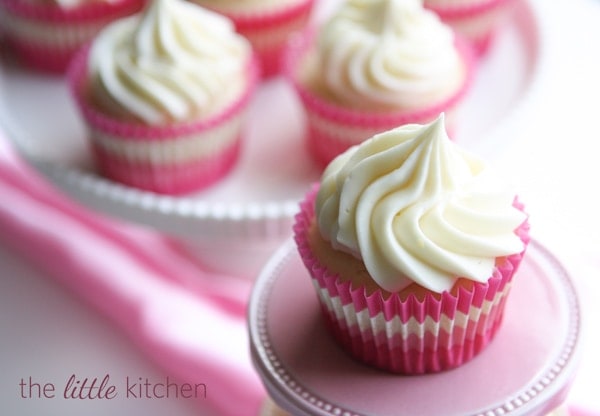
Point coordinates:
[[412, 245], [45, 34], [267, 24], [164, 95], [374, 65], [476, 20]]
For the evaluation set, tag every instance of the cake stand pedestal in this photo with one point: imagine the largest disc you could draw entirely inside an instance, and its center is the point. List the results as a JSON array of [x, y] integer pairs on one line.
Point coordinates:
[[526, 370]]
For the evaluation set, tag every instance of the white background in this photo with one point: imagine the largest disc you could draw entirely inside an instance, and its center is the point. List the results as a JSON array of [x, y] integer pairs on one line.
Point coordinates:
[[553, 157]]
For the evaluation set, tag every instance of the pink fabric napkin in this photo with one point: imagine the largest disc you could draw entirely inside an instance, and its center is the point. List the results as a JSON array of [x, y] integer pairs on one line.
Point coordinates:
[[189, 321], [580, 411]]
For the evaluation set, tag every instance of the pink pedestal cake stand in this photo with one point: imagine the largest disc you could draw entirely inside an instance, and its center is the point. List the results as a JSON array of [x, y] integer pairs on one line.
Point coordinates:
[[526, 370]]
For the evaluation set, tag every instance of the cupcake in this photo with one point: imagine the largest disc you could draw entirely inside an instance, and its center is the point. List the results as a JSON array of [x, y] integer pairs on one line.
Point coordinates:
[[372, 66], [412, 245], [164, 95], [267, 24], [476, 20], [45, 34]]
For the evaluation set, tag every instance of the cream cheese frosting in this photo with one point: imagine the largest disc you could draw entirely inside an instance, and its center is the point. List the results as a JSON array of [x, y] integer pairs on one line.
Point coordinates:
[[174, 62], [414, 207], [387, 53]]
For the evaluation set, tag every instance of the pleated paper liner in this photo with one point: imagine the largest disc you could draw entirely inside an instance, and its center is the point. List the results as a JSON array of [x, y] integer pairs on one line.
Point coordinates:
[[45, 37]]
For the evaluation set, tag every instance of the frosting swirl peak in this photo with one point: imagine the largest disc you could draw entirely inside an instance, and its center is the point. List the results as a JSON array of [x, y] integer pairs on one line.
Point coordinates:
[[416, 208], [171, 63], [388, 53]]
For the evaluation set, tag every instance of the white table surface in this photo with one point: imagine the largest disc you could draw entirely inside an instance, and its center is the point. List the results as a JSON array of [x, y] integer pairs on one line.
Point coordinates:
[[48, 334]]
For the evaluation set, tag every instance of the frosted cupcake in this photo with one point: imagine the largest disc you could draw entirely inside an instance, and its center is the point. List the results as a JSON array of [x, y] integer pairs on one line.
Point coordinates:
[[476, 20], [375, 65], [45, 34], [164, 94], [267, 24], [412, 245]]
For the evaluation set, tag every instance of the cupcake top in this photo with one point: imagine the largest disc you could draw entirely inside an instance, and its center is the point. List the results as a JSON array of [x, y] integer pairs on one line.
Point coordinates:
[[174, 62], [389, 54], [414, 207]]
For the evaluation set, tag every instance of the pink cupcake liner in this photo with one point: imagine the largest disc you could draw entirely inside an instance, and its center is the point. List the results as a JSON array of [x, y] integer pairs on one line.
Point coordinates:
[[410, 356], [411, 335], [157, 162], [269, 31], [426, 351], [61, 32], [476, 22], [332, 129], [173, 179]]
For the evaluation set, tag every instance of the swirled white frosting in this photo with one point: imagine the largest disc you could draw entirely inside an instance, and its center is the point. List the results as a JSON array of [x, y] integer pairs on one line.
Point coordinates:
[[415, 208], [173, 62], [388, 53]]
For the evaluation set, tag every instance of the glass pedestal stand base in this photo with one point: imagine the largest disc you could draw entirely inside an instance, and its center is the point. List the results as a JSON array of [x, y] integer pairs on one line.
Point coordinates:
[[526, 370]]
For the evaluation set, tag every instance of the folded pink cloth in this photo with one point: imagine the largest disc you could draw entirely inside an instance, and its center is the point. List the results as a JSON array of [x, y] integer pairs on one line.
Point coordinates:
[[580, 411], [189, 321]]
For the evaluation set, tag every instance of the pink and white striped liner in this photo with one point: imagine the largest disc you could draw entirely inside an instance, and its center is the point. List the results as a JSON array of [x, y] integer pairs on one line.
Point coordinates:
[[331, 128], [45, 37], [411, 335], [477, 22], [269, 31], [170, 159]]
